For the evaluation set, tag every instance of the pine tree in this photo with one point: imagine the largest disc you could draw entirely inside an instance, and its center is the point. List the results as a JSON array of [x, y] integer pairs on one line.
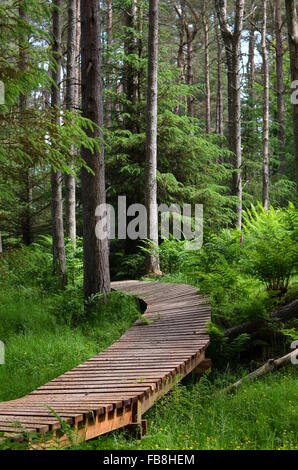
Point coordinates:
[[151, 133], [96, 252]]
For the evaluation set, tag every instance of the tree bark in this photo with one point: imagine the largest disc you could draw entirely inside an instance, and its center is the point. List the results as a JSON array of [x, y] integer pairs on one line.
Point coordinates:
[[191, 29], [180, 55], [207, 69], [96, 252], [140, 16], [251, 61], [130, 73], [293, 45], [108, 64], [56, 177], [219, 106], [151, 135], [265, 111], [70, 183], [281, 135], [232, 42], [78, 57], [190, 75]]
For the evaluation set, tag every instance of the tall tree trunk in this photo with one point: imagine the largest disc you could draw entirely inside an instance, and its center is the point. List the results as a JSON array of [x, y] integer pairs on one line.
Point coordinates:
[[280, 83], [151, 134], [96, 252], [232, 41], [236, 113], [180, 55], [71, 85], [25, 174], [219, 105], [266, 111], [292, 20], [140, 16], [251, 60], [189, 74], [251, 126], [207, 69], [56, 177], [191, 29], [78, 56], [108, 64], [130, 73]]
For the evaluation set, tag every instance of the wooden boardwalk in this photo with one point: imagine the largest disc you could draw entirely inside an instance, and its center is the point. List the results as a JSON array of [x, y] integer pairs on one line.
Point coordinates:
[[116, 387]]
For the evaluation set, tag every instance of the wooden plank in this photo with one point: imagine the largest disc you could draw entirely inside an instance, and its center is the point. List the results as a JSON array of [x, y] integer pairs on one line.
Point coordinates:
[[139, 368]]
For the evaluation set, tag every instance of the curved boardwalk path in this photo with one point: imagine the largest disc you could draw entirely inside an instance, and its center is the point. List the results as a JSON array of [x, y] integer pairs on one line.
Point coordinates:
[[115, 388]]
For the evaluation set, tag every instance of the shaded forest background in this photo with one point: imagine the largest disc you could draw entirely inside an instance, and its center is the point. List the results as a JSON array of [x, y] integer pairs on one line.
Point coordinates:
[[196, 160], [78, 125]]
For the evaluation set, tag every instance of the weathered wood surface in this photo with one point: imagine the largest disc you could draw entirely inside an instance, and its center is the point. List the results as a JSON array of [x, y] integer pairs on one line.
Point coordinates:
[[115, 388]]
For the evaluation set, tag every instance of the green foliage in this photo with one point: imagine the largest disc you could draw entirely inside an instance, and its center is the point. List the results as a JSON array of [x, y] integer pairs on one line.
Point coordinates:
[[126, 266], [33, 137], [244, 275], [270, 246], [261, 415], [46, 331]]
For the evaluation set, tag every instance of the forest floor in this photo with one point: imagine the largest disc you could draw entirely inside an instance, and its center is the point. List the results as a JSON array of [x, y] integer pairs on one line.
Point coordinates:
[[41, 345]]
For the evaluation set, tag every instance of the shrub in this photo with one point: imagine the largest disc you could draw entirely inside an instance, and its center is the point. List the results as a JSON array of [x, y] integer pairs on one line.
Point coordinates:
[[270, 247]]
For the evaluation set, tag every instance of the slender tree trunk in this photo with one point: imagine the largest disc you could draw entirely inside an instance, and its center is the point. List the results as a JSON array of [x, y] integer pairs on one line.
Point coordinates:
[[140, 16], [207, 69], [108, 63], [251, 129], [190, 75], [56, 177], [25, 176], [292, 20], [180, 55], [71, 85], [266, 111], [237, 143], [78, 56], [280, 83], [96, 252], [191, 29], [130, 73], [151, 134], [232, 41], [219, 106], [251, 61]]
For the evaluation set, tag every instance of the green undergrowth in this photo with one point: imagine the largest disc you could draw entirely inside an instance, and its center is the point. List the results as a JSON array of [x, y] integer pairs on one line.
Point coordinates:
[[261, 415], [46, 334], [48, 331]]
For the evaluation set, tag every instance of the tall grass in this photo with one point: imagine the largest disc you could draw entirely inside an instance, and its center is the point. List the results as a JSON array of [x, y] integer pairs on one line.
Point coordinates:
[[260, 416], [47, 332], [40, 341]]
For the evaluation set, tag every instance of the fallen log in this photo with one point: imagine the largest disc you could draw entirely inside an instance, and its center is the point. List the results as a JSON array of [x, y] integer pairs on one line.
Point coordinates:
[[270, 366], [285, 313]]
